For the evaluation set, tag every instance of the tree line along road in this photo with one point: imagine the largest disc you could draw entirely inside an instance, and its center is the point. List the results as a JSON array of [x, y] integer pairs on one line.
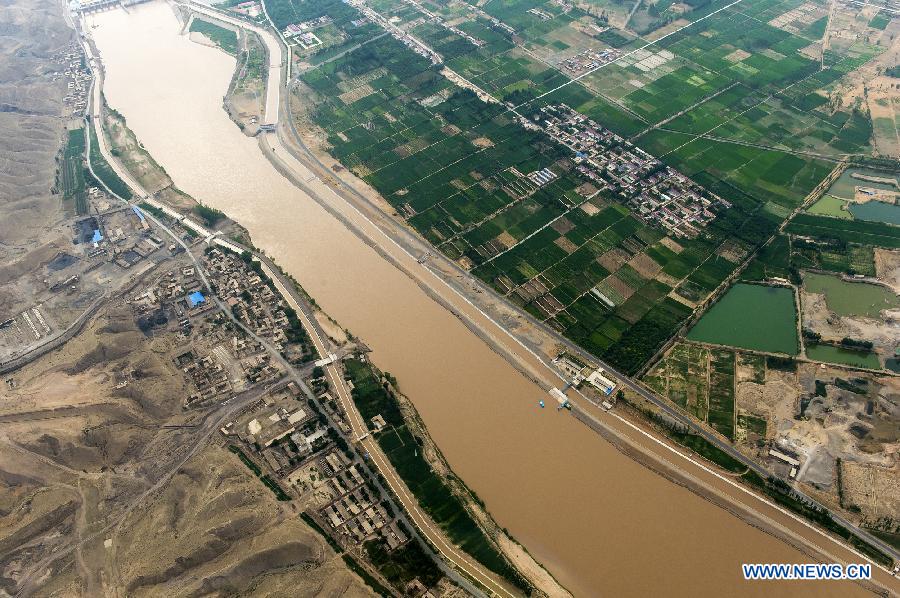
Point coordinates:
[[548, 371], [423, 523]]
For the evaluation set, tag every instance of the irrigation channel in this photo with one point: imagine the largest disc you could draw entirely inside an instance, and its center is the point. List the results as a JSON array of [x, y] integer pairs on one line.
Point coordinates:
[[602, 523]]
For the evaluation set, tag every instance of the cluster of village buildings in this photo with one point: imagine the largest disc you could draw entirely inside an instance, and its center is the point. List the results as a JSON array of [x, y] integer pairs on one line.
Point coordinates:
[[658, 194], [588, 60], [354, 513], [216, 358], [303, 33], [292, 443], [541, 14], [252, 8], [77, 78], [565, 5], [250, 298], [207, 375]]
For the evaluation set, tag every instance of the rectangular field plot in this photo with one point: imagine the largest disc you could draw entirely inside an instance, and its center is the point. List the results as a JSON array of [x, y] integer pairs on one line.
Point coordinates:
[[721, 393], [730, 47], [337, 33], [701, 382], [742, 116], [847, 231], [760, 174], [588, 249]]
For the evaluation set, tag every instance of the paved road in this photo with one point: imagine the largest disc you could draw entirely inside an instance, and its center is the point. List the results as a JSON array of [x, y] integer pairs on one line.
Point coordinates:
[[291, 163], [421, 521], [359, 431]]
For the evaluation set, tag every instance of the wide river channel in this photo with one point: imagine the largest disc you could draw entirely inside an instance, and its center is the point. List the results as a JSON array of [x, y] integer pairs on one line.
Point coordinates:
[[600, 522]]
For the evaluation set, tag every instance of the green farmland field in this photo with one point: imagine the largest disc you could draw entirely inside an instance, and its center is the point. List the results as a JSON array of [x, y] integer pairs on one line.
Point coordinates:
[[105, 172], [700, 381], [224, 38], [850, 231], [436, 498], [831, 206], [740, 109], [71, 171]]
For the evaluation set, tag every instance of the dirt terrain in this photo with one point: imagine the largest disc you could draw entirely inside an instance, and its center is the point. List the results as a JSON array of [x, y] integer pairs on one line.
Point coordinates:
[[884, 104], [31, 128], [224, 534], [78, 440], [245, 99], [83, 437], [833, 420], [108, 484], [131, 153], [817, 317], [887, 267], [866, 88], [31, 121]]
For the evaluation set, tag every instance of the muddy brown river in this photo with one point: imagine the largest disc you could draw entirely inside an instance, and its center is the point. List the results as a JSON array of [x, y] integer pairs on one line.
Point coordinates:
[[601, 523]]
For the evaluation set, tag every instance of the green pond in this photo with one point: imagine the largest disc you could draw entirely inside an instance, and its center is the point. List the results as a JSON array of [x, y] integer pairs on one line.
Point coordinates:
[[831, 206], [751, 316], [831, 354], [845, 185], [851, 298], [876, 211]]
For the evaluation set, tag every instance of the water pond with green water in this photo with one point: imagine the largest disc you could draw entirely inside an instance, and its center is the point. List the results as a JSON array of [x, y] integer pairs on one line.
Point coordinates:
[[832, 354], [831, 206], [851, 298], [846, 184], [751, 317], [876, 211]]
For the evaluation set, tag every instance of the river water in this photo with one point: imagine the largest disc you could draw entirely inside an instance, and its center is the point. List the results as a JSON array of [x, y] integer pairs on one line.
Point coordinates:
[[601, 523]]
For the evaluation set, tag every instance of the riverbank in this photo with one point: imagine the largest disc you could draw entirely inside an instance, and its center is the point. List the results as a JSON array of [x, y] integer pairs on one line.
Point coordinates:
[[529, 336], [460, 511], [485, 302], [449, 374], [151, 169]]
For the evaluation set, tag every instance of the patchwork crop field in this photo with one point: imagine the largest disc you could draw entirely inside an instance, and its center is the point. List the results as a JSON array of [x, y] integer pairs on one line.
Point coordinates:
[[731, 96], [701, 381]]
